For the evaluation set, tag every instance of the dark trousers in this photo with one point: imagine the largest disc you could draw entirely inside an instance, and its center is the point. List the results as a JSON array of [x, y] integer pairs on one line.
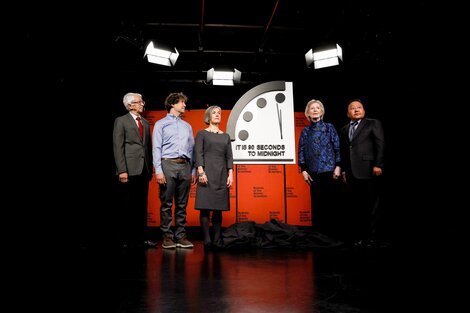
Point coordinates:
[[132, 215], [364, 205], [177, 187], [325, 202]]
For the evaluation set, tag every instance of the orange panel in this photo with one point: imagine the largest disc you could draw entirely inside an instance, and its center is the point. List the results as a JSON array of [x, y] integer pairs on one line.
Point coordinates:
[[297, 191], [261, 190], [195, 118], [265, 190]]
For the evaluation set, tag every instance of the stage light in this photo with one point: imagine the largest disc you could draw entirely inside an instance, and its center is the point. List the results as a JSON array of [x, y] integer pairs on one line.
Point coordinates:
[[324, 56], [161, 53], [223, 76]]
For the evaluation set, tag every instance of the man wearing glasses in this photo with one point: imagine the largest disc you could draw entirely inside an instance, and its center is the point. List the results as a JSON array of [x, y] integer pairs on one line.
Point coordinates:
[[133, 158]]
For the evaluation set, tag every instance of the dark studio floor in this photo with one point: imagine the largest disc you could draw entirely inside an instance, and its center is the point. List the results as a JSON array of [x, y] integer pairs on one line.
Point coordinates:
[[326, 280]]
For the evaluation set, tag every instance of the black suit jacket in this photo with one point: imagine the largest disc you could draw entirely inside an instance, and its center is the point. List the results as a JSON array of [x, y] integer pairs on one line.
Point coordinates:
[[365, 150]]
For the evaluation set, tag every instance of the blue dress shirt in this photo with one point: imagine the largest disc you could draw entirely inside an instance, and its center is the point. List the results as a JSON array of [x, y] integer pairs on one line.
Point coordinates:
[[171, 138]]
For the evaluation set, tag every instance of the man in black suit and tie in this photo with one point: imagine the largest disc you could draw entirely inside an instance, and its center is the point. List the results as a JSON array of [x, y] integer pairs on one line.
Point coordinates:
[[362, 162], [133, 157]]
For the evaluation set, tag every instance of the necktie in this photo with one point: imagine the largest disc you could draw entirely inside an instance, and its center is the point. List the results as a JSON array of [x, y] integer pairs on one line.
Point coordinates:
[[352, 129], [141, 128]]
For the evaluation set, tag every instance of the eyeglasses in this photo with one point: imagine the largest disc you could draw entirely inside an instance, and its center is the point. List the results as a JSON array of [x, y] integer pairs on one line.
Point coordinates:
[[138, 102]]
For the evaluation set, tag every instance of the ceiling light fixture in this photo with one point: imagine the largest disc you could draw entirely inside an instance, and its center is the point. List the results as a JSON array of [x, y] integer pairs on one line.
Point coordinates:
[[223, 76], [324, 56], [161, 53]]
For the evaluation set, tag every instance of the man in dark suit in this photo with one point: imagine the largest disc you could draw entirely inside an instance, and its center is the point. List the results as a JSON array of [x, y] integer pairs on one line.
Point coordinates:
[[362, 162], [133, 157]]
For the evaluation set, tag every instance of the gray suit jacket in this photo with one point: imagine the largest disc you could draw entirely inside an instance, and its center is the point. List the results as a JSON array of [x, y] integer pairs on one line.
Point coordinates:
[[131, 154], [365, 150]]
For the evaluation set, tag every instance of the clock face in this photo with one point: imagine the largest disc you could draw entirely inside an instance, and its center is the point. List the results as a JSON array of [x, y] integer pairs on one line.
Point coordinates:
[[261, 125]]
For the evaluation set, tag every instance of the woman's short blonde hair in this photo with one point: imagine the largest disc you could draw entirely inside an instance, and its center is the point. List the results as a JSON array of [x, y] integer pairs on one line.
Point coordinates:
[[307, 107], [208, 113]]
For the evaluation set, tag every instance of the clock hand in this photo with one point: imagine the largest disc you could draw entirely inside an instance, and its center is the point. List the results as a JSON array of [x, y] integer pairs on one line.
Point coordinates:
[[279, 116]]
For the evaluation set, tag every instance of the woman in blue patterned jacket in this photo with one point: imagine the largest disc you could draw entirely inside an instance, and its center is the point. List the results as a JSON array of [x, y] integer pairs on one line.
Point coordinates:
[[319, 158]]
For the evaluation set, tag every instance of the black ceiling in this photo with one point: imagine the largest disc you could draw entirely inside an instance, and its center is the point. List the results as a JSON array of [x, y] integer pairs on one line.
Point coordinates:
[[264, 39], [95, 48]]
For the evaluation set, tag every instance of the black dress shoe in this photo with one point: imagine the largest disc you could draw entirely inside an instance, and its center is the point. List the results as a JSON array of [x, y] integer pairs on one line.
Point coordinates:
[[372, 243], [359, 244], [207, 246], [217, 246], [150, 244]]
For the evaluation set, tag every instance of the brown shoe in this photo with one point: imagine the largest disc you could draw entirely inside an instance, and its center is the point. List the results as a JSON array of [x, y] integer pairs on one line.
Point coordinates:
[[184, 243], [168, 243]]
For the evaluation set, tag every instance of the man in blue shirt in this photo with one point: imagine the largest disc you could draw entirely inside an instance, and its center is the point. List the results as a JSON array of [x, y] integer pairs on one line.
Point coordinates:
[[172, 149]]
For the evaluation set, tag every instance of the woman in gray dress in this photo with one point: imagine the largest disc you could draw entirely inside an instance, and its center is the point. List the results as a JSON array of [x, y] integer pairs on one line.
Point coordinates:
[[214, 162]]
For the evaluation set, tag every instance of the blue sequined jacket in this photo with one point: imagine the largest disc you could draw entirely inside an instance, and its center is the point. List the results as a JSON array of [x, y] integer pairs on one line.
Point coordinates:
[[319, 148]]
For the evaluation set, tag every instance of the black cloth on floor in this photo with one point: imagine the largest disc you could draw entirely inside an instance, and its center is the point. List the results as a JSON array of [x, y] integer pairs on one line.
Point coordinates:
[[273, 234]]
